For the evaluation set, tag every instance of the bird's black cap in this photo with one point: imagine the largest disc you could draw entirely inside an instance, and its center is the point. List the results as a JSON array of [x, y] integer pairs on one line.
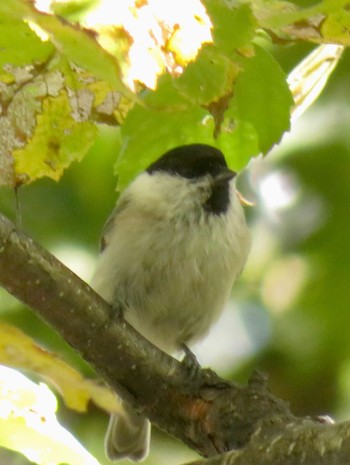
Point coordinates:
[[195, 161], [191, 161]]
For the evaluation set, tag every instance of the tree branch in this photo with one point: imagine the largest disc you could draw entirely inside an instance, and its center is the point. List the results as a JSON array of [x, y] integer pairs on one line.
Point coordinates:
[[209, 414], [302, 442]]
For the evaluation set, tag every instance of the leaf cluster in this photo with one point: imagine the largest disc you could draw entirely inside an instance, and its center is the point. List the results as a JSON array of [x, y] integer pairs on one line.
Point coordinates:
[[232, 95]]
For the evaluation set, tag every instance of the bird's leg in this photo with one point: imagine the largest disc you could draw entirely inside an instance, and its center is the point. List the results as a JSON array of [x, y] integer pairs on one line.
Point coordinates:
[[117, 311], [191, 363]]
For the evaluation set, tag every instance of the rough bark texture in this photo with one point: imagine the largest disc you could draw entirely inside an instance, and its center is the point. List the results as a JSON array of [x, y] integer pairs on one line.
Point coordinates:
[[301, 442], [209, 414]]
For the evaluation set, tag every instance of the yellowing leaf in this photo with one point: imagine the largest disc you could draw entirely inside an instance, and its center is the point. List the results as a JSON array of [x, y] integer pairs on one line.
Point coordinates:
[[81, 48], [50, 118], [20, 351], [337, 27], [58, 139]]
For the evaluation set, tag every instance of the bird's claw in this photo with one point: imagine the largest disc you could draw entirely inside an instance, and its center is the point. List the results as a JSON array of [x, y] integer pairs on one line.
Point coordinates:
[[191, 363]]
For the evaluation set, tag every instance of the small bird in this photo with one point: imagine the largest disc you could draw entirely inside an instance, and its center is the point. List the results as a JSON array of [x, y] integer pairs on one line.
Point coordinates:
[[171, 251]]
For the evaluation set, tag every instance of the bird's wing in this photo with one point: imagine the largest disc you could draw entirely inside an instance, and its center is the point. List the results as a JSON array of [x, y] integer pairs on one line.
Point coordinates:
[[112, 221]]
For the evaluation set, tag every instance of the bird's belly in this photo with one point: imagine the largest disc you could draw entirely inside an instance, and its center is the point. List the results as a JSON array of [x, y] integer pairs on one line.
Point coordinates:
[[174, 288], [186, 301]]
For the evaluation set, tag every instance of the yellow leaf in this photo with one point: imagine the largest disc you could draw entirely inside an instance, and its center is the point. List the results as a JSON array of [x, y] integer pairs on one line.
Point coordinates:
[[20, 351], [57, 140]]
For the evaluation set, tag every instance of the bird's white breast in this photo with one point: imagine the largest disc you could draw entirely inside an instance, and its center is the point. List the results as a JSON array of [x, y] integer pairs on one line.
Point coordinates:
[[172, 267]]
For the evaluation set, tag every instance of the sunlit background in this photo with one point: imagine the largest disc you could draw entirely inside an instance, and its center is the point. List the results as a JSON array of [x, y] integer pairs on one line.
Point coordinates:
[[151, 37], [289, 315]]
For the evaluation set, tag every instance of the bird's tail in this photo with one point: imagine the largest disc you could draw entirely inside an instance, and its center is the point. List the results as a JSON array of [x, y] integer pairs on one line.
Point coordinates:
[[128, 435]]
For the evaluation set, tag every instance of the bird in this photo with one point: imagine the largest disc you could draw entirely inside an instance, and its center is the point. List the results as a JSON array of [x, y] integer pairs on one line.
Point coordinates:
[[171, 250]]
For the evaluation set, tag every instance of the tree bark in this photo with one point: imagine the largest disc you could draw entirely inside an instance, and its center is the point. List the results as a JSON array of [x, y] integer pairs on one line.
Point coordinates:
[[302, 442], [208, 413]]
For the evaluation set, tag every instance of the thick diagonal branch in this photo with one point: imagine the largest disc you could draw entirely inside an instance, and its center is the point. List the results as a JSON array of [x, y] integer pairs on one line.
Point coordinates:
[[210, 414]]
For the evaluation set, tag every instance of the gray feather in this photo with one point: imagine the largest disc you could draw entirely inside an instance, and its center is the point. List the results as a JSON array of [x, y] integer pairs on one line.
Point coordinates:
[[127, 435]]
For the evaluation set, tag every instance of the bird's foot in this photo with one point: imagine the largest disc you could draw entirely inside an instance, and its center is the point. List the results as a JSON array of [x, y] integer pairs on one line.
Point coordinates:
[[191, 363]]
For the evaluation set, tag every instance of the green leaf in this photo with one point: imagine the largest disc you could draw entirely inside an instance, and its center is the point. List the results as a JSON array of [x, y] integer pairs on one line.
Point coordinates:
[[149, 131], [72, 10], [76, 44], [156, 127], [262, 99], [19, 45], [81, 47], [208, 78], [234, 26], [239, 144], [13, 10]]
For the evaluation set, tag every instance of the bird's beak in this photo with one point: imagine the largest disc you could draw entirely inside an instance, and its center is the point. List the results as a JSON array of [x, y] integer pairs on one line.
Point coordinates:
[[225, 176]]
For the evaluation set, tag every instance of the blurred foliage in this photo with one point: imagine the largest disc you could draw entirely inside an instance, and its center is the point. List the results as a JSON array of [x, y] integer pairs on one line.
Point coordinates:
[[292, 301], [54, 69], [307, 357]]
